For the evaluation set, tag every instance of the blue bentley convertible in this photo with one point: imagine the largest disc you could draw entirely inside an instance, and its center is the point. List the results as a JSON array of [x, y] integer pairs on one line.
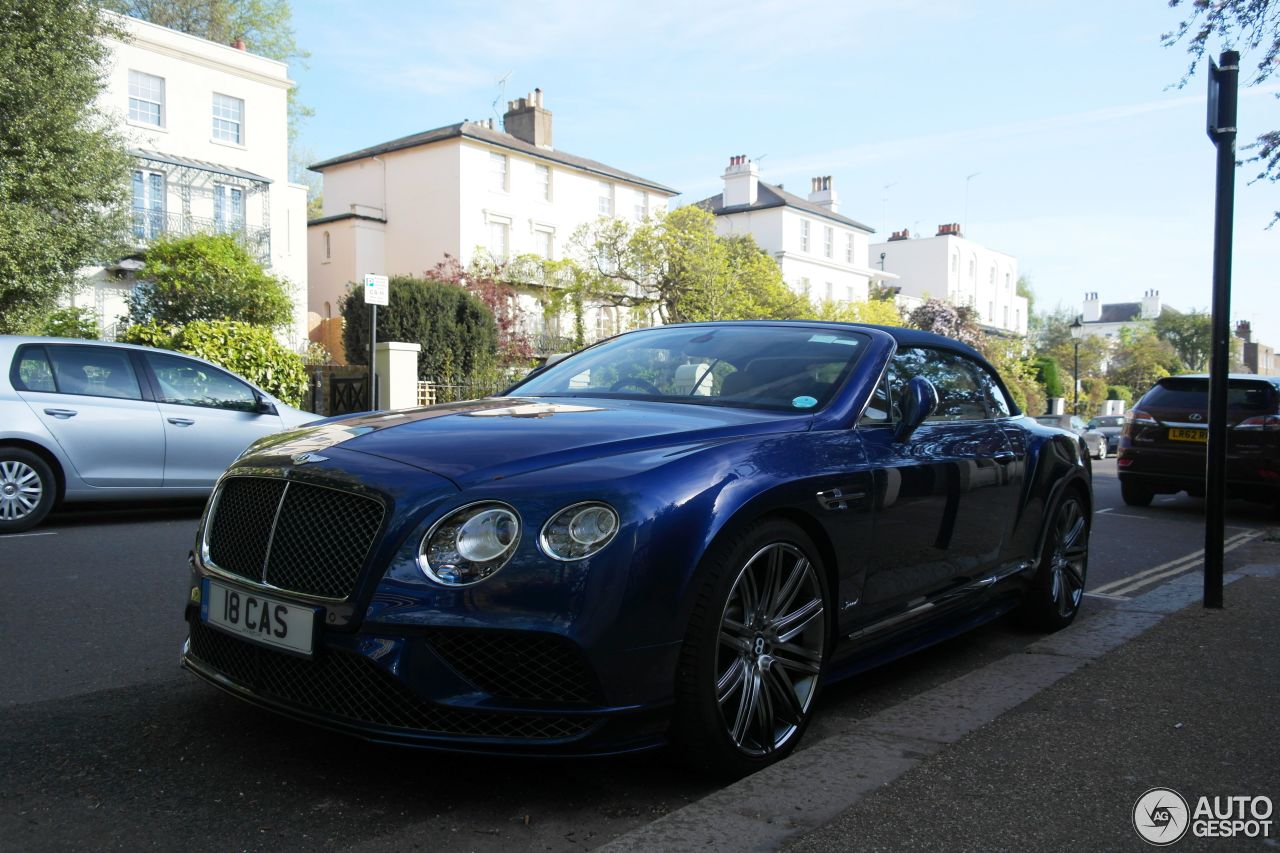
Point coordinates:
[[678, 535]]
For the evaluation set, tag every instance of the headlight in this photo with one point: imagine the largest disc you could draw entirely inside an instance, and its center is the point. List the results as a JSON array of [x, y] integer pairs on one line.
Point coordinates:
[[579, 531], [469, 544]]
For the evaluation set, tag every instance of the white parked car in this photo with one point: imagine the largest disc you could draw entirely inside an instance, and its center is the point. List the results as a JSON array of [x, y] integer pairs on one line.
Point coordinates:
[[93, 421]]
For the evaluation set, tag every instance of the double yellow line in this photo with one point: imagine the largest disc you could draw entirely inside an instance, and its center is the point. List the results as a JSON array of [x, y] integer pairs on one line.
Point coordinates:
[[1125, 586]]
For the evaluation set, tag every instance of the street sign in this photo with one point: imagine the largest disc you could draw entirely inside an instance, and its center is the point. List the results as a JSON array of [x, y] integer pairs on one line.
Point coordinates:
[[376, 289]]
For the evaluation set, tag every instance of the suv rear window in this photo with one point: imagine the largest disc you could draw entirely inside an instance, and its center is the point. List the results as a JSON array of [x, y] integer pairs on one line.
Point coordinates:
[[1185, 393]]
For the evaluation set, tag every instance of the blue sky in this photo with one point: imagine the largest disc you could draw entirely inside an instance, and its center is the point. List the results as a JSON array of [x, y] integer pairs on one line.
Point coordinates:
[[1091, 169]]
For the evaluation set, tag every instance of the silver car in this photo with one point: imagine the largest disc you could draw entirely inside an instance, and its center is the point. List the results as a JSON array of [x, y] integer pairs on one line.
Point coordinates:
[[1096, 441], [86, 420]]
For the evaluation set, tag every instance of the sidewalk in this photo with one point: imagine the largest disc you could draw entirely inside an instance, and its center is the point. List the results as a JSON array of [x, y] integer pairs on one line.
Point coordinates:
[[1192, 705], [1048, 748]]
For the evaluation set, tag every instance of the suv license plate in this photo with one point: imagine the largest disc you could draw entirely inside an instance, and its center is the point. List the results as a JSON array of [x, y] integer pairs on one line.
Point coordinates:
[[1179, 434], [259, 618]]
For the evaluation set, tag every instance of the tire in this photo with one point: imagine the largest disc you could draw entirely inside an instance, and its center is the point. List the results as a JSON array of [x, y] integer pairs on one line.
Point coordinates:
[[1057, 589], [753, 658], [1135, 493], [27, 489]]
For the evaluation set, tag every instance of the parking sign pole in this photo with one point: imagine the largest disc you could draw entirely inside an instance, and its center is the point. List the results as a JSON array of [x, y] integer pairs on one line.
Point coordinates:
[[1221, 127], [373, 358]]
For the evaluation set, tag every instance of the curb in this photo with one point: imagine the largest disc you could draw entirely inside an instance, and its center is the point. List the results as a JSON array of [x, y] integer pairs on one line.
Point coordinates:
[[812, 786]]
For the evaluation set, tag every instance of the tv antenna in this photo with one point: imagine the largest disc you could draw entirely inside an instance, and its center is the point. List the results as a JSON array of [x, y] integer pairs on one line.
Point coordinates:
[[502, 93]]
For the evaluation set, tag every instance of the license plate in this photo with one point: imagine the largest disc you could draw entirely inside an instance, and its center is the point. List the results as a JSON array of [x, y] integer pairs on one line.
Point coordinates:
[[259, 618], [1179, 434]]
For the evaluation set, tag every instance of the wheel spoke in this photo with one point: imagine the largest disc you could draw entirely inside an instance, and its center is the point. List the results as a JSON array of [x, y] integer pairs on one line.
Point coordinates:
[[731, 680], [1074, 533], [772, 578], [797, 658], [738, 644], [746, 707], [787, 627], [764, 702], [791, 588], [1074, 577], [786, 692], [749, 595]]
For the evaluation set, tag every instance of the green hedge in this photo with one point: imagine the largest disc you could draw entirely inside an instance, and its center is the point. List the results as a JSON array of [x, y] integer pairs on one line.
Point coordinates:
[[1047, 374], [247, 350]]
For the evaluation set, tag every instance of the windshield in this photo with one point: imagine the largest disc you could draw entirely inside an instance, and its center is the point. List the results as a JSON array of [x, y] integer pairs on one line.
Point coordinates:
[[763, 367]]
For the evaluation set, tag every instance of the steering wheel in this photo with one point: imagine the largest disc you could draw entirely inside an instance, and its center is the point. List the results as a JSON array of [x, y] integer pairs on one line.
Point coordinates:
[[637, 382]]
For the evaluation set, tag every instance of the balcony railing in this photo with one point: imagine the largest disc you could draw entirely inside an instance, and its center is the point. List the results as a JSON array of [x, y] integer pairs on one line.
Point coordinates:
[[149, 225]]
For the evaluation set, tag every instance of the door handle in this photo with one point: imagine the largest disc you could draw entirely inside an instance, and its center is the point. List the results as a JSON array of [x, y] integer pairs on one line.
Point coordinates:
[[61, 413], [181, 421], [1004, 457], [836, 499]]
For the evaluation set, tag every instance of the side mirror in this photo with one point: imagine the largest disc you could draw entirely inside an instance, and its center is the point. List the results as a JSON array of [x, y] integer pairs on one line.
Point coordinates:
[[264, 406], [919, 399]]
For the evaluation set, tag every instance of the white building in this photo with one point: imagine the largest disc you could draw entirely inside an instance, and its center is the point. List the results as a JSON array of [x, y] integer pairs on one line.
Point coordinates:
[[1106, 320], [400, 207], [948, 266], [823, 254], [207, 125]]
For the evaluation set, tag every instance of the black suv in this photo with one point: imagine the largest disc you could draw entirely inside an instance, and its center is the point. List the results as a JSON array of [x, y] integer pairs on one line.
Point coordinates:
[[1162, 446]]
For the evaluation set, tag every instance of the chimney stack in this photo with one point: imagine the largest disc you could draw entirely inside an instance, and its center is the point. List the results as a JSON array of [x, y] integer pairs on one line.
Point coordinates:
[[527, 120], [822, 194], [1092, 308], [949, 229], [1244, 331], [904, 234], [741, 182], [1151, 304]]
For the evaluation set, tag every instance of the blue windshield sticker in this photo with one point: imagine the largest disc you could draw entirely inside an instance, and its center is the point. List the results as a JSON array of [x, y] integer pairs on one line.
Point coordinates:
[[804, 402]]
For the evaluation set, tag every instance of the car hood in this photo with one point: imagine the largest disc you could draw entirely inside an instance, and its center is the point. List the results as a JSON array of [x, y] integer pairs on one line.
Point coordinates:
[[501, 437]]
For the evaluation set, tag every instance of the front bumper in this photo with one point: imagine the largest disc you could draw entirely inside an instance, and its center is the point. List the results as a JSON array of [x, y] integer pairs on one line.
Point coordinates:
[[413, 691]]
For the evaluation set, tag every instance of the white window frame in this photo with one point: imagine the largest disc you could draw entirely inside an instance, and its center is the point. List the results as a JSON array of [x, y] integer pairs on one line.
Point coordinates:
[[149, 219], [848, 249], [642, 206], [828, 241], [138, 96], [804, 236], [805, 287], [499, 172], [544, 239], [223, 195], [543, 172], [604, 198], [492, 221], [222, 120]]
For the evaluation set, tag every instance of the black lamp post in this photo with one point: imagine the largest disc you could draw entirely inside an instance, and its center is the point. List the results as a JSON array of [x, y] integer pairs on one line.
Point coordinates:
[[1077, 329]]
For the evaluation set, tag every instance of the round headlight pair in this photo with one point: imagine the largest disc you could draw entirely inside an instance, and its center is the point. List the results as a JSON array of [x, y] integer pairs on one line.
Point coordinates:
[[472, 543]]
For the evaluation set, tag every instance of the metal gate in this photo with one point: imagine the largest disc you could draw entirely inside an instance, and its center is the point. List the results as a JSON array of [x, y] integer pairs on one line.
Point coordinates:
[[348, 394]]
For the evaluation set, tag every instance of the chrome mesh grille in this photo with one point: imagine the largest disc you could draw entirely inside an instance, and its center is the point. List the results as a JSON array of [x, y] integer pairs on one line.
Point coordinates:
[[320, 542], [517, 665], [349, 687]]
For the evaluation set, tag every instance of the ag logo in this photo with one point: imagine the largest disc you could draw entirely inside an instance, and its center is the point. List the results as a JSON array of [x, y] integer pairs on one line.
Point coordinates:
[[1161, 816]]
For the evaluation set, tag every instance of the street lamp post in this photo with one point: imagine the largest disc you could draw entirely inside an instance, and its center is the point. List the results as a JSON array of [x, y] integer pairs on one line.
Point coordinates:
[[1077, 329]]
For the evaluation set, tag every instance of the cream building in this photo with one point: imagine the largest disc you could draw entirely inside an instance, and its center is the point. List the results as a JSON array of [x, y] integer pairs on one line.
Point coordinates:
[[949, 266], [400, 207], [822, 253], [1105, 320], [207, 125]]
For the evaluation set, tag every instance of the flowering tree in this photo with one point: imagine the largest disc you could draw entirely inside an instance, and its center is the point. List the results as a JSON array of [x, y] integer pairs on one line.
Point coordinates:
[[943, 318], [494, 283]]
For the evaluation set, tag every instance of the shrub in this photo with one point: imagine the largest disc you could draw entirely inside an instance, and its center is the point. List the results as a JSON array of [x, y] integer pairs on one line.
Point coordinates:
[[244, 349], [1120, 392], [207, 277], [71, 323], [1047, 374], [457, 332]]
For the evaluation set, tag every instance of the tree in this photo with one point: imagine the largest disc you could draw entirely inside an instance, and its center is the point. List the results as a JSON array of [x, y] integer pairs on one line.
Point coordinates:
[[1190, 335], [1047, 375], [495, 283], [266, 26], [943, 318], [207, 277], [1024, 289], [1141, 358], [63, 171], [874, 311], [1246, 25], [677, 265], [457, 332]]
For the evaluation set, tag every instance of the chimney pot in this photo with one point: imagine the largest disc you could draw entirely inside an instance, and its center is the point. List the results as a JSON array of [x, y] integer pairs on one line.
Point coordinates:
[[238, 44]]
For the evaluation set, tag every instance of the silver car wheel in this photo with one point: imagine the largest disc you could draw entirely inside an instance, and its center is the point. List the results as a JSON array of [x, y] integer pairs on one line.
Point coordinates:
[[1069, 558], [773, 638], [20, 490]]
